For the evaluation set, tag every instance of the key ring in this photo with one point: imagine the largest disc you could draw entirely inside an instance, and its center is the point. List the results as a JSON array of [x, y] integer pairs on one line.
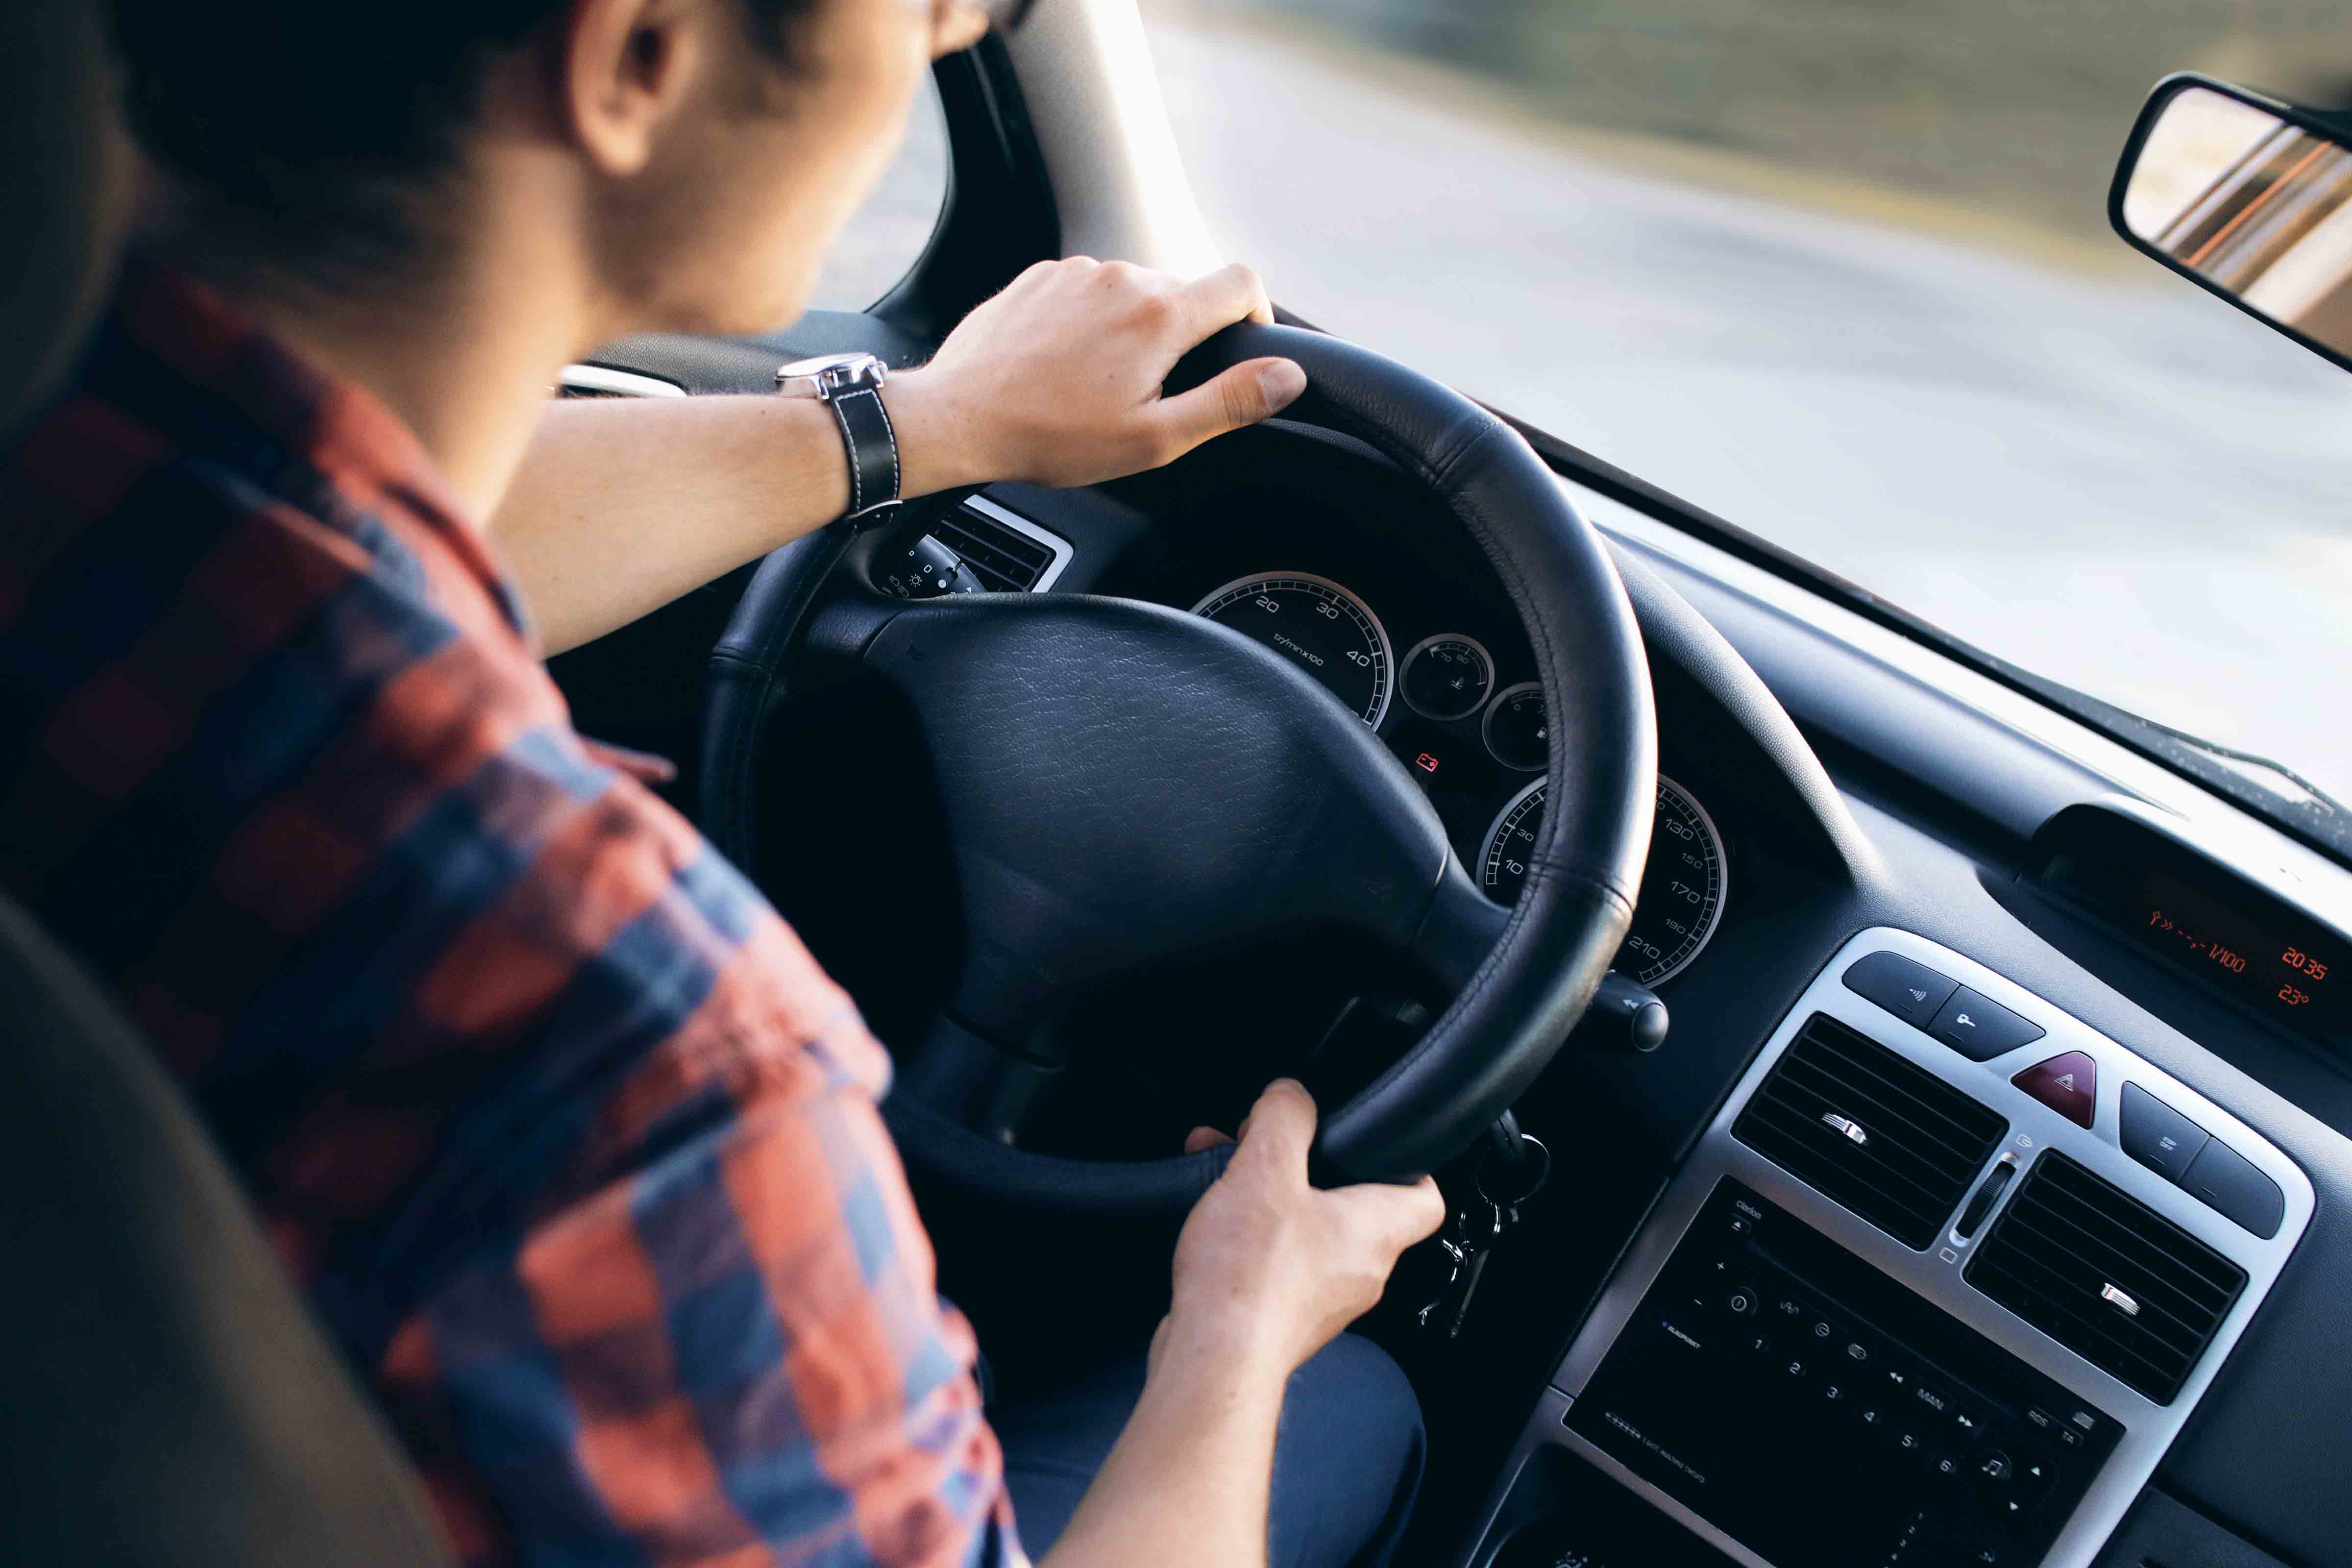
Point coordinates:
[[1543, 1175]]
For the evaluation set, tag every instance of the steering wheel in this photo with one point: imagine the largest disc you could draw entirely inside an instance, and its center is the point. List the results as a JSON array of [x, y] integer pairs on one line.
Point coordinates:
[[1128, 786]]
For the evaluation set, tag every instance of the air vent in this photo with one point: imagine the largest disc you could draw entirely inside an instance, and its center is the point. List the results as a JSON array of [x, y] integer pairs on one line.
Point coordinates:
[[2106, 1276], [1009, 554], [1888, 1139]]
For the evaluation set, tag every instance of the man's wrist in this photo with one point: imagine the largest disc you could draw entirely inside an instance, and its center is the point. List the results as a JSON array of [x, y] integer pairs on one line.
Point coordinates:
[[940, 444], [1228, 1347]]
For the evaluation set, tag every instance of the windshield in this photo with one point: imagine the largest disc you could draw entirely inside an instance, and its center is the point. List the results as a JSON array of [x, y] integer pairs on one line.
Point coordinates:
[[1839, 273]]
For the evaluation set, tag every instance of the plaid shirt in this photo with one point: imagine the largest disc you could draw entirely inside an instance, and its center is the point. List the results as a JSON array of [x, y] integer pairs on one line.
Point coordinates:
[[573, 1147]]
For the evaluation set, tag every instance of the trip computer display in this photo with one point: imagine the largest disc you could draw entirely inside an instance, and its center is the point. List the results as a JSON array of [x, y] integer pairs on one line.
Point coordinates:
[[2206, 921], [2297, 976]]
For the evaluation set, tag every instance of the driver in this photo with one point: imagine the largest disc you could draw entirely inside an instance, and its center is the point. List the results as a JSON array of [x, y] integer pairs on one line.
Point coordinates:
[[572, 1145]]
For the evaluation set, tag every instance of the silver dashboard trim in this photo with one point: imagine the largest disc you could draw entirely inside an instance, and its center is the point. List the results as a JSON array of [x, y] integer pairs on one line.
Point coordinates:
[[610, 383], [1062, 548], [1935, 1275]]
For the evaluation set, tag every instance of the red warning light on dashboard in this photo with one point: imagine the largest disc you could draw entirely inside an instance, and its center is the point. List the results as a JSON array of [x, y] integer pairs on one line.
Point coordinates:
[[1425, 763]]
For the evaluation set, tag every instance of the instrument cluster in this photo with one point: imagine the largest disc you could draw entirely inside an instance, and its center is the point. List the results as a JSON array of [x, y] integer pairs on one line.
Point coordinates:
[[1477, 737]]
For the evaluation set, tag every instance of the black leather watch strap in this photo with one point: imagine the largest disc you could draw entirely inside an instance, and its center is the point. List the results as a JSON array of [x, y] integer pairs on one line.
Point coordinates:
[[873, 448]]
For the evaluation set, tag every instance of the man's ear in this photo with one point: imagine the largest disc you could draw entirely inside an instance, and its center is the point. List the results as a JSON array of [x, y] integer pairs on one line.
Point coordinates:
[[626, 66]]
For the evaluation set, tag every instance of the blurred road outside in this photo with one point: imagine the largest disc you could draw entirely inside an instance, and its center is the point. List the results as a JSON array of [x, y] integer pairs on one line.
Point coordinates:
[[2017, 429], [1838, 271]]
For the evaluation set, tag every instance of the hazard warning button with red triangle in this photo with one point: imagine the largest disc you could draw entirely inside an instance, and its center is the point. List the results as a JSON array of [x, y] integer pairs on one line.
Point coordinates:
[[2068, 1085]]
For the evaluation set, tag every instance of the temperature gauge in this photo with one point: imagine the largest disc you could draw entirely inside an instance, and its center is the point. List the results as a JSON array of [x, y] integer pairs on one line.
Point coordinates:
[[1447, 676]]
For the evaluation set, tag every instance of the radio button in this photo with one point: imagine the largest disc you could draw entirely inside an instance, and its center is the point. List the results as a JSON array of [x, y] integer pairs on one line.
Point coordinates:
[[2032, 1484], [1741, 1301]]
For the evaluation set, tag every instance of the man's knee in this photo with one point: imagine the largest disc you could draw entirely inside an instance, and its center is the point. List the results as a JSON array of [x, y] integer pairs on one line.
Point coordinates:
[[1349, 1458]]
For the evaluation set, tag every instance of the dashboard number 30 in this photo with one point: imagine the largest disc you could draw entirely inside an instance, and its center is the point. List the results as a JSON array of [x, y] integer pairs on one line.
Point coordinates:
[[1682, 884]]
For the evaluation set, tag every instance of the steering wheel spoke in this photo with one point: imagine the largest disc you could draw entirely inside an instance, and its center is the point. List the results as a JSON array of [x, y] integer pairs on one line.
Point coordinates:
[[1460, 931]]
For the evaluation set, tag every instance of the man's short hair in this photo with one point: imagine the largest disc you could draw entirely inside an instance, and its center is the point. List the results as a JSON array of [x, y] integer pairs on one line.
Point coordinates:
[[302, 120]]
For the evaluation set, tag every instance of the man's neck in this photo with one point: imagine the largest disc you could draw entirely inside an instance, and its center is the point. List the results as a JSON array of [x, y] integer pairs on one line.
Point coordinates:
[[463, 348]]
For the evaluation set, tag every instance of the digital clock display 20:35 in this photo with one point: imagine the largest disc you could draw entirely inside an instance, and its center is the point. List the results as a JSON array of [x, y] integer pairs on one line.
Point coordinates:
[[2296, 979]]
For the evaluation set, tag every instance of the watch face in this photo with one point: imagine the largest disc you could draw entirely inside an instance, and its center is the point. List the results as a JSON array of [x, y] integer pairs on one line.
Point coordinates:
[[819, 364], [828, 374]]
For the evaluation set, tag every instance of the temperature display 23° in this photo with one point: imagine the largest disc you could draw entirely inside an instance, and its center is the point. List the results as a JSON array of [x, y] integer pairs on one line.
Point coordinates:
[[2294, 977]]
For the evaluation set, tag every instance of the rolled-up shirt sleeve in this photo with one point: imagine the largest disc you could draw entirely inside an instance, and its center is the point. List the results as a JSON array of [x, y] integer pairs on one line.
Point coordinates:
[[731, 1354]]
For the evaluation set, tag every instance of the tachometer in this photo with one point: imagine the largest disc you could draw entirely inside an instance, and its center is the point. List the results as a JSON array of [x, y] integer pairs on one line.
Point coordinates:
[[1317, 625], [1683, 883]]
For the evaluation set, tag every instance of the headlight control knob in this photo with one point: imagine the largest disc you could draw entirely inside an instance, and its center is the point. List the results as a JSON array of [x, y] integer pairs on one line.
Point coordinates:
[[927, 570]]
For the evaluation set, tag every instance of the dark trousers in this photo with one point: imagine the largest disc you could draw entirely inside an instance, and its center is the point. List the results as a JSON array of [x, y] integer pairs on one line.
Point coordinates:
[[1346, 1459]]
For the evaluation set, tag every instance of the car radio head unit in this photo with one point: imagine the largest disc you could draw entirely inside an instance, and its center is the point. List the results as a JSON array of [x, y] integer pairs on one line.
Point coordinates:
[[1819, 1413], [1944, 1278]]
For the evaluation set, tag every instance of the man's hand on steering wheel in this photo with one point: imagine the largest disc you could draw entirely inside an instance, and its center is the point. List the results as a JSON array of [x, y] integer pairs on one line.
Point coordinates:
[[1056, 381], [1270, 1267]]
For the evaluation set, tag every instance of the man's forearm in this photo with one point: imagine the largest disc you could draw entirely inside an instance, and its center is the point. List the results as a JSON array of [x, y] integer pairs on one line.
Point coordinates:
[[1188, 1481], [622, 505]]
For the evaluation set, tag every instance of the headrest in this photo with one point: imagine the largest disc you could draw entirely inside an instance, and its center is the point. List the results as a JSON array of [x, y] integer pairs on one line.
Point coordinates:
[[66, 197]]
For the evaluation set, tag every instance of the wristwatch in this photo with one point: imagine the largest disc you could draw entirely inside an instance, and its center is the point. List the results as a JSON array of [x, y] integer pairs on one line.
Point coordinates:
[[851, 386]]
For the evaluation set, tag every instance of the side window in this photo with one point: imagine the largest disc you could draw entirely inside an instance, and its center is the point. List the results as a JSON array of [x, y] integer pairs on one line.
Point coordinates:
[[886, 237]]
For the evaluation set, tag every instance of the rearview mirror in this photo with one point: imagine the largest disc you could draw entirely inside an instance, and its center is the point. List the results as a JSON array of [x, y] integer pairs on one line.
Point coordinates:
[[2249, 198]]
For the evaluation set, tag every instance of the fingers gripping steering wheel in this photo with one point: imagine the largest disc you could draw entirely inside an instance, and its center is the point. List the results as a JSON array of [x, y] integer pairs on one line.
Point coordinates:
[[1127, 785]]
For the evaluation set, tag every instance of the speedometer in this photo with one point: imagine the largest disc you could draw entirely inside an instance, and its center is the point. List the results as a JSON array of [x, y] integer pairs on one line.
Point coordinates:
[[1682, 884], [1317, 625]]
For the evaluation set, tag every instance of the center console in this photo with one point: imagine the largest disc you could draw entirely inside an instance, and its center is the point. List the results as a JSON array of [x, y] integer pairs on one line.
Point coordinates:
[[1945, 1276]]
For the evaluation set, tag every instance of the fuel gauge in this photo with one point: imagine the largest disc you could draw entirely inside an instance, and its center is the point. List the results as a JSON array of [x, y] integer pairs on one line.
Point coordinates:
[[1517, 733]]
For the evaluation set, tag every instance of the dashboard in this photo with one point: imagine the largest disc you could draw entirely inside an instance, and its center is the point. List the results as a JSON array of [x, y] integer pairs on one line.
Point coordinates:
[[1829, 796]]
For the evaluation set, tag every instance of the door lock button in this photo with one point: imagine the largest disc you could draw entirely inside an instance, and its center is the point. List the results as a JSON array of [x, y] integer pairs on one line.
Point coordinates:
[[1981, 1028]]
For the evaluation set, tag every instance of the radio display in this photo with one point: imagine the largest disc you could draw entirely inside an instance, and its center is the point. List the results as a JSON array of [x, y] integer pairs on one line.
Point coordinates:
[[2297, 977]]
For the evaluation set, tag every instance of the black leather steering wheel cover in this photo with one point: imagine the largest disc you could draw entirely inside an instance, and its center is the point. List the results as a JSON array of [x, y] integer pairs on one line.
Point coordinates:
[[746, 681], [1585, 869], [1520, 1004]]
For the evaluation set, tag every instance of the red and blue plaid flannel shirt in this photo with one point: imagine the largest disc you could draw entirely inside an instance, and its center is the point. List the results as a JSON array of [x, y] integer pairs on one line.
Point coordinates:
[[572, 1144]]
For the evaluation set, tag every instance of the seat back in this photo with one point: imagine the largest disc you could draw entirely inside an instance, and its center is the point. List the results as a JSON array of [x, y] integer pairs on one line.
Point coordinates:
[[65, 192], [164, 1396]]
